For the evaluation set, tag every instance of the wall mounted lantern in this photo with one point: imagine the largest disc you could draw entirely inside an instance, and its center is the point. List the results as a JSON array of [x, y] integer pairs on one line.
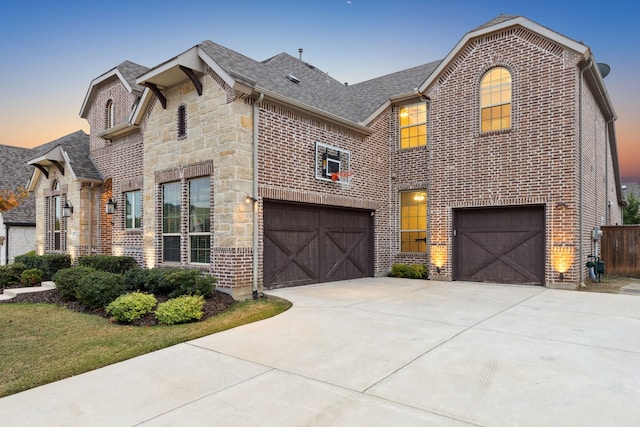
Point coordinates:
[[110, 207], [67, 210]]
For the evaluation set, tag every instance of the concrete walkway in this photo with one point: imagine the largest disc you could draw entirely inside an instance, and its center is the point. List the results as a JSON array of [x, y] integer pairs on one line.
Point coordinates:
[[377, 352]]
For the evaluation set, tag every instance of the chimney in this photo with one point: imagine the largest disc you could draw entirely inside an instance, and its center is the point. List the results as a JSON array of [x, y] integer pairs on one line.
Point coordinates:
[[300, 52]]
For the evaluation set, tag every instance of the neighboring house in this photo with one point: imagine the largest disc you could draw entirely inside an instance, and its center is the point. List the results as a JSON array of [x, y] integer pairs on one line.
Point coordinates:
[[493, 164], [17, 225]]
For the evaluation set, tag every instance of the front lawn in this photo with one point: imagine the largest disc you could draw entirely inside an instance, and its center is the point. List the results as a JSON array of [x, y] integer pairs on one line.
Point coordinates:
[[42, 343]]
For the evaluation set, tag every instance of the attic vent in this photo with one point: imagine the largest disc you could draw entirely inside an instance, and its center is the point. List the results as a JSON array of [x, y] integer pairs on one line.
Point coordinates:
[[293, 78]]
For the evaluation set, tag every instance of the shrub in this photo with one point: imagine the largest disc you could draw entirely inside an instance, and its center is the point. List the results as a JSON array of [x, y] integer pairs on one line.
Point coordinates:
[[190, 282], [157, 282], [10, 274], [183, 309], [67, 281], [31, 277], [98, 288], [135, 279], [54, 263], [108, 263], [50, 264], [131, 307], [31, 260], [413, 271]]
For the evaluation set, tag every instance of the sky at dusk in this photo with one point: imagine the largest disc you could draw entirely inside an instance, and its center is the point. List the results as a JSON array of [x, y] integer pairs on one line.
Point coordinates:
[[52, 50]]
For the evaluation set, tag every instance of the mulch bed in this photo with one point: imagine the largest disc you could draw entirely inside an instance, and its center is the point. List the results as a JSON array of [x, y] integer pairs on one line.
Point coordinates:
[[214, 305]]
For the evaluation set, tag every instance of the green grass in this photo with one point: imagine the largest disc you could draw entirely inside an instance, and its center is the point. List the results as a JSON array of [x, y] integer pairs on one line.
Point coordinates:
[[42, 343]]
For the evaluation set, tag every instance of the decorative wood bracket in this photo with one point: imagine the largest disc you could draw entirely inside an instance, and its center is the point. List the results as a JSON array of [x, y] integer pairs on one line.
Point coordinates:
[[42, 169], [192, 76], [58, 165], [158, 93]]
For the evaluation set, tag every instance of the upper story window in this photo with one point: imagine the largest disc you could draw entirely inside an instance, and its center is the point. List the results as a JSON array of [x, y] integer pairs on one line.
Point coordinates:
[[495, 100], [133, 210], [182, 121], [413, 125], [109, 114]]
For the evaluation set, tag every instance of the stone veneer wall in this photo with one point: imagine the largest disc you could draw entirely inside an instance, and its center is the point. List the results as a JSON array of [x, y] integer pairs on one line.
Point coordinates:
[[219, 130]]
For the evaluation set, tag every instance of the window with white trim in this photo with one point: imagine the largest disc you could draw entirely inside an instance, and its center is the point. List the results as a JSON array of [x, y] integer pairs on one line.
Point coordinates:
[[199, 221], [109, 114], [132, 210], [171, 206]]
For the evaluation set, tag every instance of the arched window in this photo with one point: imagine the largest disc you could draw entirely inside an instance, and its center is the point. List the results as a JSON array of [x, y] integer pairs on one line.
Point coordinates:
[[110, 115], [182, 121], [495, 100]]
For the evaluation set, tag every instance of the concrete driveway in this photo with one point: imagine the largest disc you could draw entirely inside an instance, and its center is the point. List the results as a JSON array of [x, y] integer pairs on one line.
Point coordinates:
[[377, 352]]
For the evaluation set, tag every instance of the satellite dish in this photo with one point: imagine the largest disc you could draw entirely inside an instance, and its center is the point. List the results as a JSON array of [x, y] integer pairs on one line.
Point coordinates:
[[604, 69]]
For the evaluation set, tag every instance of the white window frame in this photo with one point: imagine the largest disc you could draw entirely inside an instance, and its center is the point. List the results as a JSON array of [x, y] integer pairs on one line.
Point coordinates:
[[136, 210]]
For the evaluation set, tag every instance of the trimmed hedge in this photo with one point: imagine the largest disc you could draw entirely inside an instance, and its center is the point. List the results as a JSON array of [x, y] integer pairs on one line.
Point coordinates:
[[49, 264], [410, 271], [67, 281], [171, 282], [183, 309], [98, 288], [108, 263], [130, 307]]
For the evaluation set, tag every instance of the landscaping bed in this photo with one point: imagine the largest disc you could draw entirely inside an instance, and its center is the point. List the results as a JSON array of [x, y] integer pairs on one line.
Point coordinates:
[[217, 303]]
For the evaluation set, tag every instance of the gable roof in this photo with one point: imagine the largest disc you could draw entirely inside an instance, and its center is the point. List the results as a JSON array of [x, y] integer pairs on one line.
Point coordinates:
[[126, 71], [498, 23], [297, 83], [68, 154], [13, 174]]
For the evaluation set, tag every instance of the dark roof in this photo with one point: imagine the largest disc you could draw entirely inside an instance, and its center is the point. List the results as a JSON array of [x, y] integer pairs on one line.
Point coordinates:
[[77, 147], [495, 21], [13, 174], [131, 71], [314, 87]]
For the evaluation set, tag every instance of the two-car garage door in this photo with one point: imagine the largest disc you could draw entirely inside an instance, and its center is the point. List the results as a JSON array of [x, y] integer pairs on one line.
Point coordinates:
[[311, 244]]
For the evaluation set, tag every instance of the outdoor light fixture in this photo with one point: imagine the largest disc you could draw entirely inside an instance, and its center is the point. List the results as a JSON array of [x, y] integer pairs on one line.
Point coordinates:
[[67, 210], [110, 207], [438, 256], [561, 259], [250, 199]]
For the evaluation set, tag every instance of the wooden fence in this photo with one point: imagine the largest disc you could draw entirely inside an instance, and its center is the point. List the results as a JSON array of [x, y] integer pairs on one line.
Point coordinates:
[[620, 249]]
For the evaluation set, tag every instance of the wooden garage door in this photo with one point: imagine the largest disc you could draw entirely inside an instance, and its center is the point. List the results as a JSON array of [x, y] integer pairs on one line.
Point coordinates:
[[503, 245], [310, 244]]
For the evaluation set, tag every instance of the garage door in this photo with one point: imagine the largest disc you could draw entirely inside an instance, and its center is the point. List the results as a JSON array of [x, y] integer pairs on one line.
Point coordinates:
[[503, 245], [310, 244]]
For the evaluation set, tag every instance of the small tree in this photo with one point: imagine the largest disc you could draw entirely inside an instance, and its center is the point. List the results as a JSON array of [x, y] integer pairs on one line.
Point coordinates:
[[11, 199], [631, 212]]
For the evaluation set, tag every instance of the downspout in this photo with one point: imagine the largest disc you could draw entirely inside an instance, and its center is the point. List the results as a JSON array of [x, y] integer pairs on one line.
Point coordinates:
[[254, 197], [6, 244], [608, 154], [580, 174]]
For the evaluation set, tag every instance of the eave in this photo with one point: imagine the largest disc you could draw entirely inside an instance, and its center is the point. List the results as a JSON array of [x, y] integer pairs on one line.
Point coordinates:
[[99, 80], [520, 21], [301, 107], [186, 66]]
